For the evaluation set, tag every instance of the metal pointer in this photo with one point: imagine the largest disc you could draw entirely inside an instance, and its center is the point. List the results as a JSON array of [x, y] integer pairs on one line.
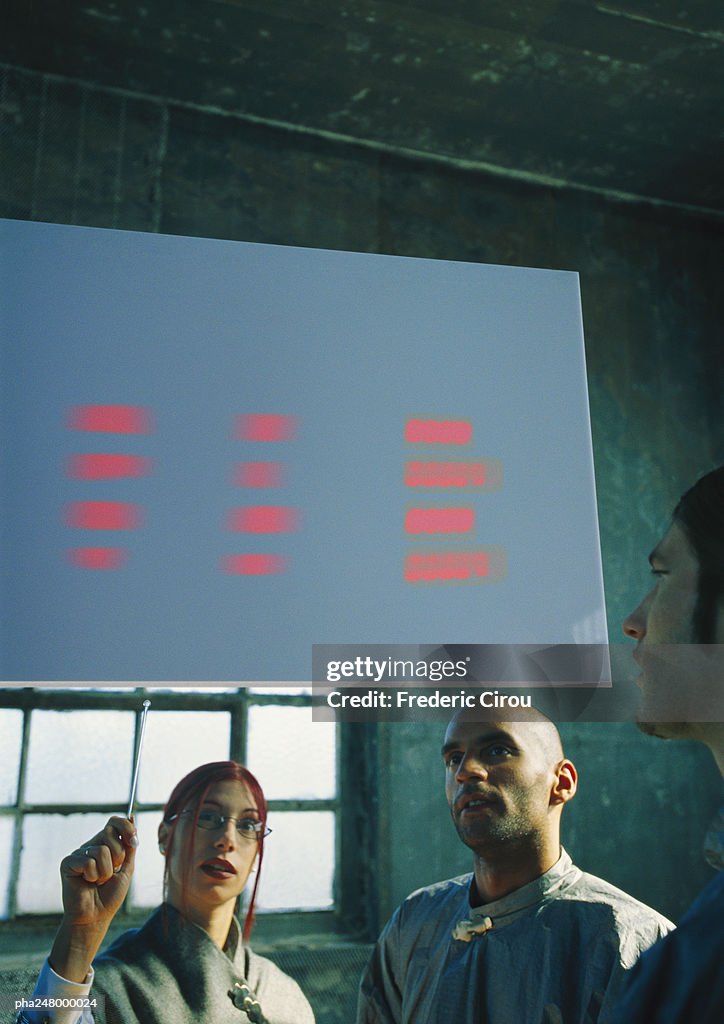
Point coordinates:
[[146, 706]]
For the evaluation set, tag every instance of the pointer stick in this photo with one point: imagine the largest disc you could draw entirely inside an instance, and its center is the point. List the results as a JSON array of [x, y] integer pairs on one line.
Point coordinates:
[[146, 706]]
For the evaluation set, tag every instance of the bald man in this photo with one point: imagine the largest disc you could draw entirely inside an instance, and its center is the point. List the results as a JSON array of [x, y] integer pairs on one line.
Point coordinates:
[[526, 938]]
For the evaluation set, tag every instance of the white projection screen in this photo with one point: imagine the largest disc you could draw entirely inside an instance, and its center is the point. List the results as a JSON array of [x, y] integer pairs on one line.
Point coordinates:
[[218, 454]]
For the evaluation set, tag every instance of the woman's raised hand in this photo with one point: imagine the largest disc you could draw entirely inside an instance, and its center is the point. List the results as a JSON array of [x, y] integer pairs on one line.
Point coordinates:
[[95, 880], [97, 875]]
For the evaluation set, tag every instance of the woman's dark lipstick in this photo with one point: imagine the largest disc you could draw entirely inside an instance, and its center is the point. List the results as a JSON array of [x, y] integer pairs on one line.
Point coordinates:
[[217, 867]]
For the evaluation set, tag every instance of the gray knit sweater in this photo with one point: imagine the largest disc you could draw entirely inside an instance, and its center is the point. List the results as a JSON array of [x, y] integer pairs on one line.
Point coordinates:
[[170, 972]]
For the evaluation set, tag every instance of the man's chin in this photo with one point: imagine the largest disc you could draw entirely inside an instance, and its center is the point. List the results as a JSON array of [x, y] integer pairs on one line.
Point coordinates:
[[476, 838]]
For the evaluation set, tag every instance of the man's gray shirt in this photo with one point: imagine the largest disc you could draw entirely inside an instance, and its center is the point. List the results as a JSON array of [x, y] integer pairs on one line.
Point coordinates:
[[553, 952]]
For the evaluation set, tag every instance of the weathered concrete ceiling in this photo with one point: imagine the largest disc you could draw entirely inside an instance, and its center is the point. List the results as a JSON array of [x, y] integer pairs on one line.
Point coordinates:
[[624, 95]]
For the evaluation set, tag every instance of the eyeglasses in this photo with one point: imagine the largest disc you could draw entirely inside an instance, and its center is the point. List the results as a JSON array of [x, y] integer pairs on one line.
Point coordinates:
[[247, 828]]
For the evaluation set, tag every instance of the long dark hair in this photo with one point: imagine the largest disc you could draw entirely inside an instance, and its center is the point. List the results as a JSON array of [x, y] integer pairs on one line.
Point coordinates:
[[700, 513], [189, 794]]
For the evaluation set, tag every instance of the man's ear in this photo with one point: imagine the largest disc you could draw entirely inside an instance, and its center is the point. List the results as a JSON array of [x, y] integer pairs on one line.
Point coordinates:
[[163, 831], [566, 782]]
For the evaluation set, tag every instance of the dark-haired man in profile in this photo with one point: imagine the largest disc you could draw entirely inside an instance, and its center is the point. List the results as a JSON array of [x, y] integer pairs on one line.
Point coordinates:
[[527, 938], [679, 629]]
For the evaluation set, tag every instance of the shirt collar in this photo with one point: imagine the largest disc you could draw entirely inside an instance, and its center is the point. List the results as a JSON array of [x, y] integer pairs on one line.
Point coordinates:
[[232, 939], [540, 890]]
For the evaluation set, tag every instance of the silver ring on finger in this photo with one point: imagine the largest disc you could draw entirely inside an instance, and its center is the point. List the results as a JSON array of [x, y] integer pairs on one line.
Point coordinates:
[[86, 851]]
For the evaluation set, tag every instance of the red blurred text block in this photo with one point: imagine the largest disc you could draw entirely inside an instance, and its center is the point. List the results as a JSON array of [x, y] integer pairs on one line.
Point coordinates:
[[265, 427], [258, 474], [103, 515], [254, 565], [111, 419], [439, 520], [107, 467], [97, 558], [447, 565], [264, 519], [438, 431], [445, 474]]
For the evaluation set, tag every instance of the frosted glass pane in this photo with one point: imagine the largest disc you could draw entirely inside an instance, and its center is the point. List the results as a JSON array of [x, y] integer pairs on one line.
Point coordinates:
[[298, 869], [7, 827], [80, 757], [47, 838], [281, 738], [11, 730], [176, 742], [147, 884]]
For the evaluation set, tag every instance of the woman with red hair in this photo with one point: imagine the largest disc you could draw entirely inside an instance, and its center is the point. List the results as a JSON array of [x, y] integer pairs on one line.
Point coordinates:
[[189, 962]]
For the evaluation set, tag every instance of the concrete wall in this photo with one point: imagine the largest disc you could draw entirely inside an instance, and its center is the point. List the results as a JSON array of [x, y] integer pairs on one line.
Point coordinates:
[[86, 154]]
